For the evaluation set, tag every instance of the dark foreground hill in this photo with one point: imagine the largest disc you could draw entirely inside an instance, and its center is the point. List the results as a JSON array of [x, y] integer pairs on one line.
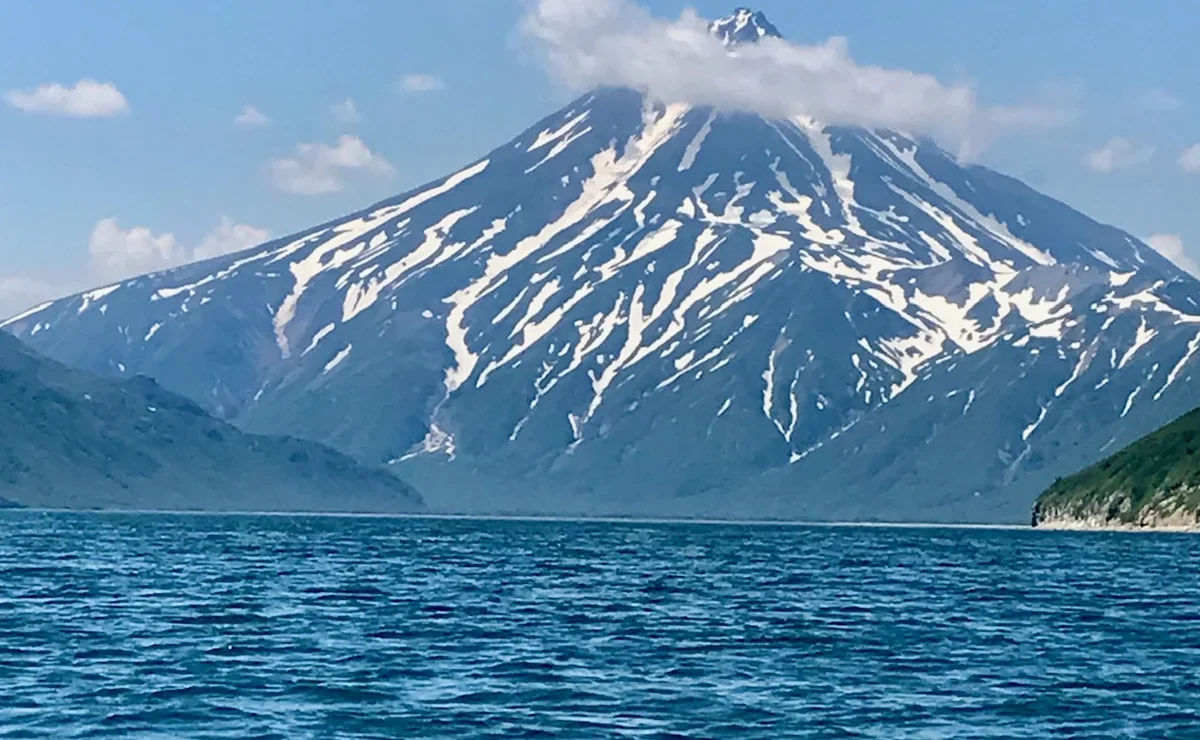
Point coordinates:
[[71, 439], [1152, 483]]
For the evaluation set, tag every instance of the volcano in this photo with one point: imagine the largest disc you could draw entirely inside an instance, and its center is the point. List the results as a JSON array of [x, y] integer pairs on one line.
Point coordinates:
[[648, 308]]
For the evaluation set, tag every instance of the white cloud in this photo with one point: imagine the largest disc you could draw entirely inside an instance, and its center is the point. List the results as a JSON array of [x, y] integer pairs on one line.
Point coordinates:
[[116, 253], [421, 83], [19, 292], [85, 99], [251, 117], [346, 112], [1171, 246], [1189, 159], [590, 43], [1117, 154], [317, 168], [227, 238], [1159, 101]]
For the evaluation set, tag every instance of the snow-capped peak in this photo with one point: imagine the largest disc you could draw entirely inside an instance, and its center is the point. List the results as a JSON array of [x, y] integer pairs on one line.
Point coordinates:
[[665, 301], [743, 26]]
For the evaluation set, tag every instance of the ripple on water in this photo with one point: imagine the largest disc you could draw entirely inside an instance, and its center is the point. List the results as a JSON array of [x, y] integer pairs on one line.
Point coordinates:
[[152, 626]]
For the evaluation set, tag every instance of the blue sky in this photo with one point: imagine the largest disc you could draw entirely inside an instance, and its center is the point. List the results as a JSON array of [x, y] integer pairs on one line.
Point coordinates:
[[148, 166]]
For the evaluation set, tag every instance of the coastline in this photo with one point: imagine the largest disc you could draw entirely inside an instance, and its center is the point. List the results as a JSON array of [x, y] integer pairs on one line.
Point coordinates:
[[1114, 514], [534, 518], [1060, 525]]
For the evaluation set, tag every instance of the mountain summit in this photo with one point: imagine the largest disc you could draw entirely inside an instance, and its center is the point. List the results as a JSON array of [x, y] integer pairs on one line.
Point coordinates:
[[653, 309], [743, 26]]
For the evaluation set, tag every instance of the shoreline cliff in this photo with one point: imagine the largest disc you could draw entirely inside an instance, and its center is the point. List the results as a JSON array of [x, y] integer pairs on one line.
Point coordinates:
[[1153, 484]]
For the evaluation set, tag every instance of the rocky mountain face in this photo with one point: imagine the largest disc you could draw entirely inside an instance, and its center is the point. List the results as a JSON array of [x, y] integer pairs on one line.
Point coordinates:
[[647, 308], [69, 439]]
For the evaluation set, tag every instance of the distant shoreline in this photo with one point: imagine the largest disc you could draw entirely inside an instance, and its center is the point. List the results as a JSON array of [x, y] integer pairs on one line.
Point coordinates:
[[1056, 527], [539, 518]]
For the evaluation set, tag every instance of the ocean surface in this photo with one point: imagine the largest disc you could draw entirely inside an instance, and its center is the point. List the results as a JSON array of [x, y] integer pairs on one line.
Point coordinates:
[[178, 626]]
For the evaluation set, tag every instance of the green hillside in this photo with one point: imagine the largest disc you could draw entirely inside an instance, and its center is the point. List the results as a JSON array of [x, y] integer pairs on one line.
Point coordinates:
[[1152, 482]]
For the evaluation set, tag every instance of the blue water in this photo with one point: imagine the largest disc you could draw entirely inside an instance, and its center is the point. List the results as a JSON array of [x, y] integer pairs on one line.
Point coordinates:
[[293, 627]]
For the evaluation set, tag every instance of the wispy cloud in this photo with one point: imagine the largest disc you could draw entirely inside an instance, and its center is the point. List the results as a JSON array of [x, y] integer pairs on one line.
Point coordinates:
[[416, 82], [346, 112], [19, 292], [590, 43], [85, 99], [1117, 154], [1171, 246], [1157, 100], [1050, 106], [251, 117], [1189, 159], [317, 168]]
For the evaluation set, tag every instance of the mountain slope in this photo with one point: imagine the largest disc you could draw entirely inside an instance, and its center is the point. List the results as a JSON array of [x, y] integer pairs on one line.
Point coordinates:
[[635, 307], [1152, 483], [69, 439]]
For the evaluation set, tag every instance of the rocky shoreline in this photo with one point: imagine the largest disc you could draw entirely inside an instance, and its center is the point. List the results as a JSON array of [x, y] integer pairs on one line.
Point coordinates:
[[1164, 512], [1081, 525]]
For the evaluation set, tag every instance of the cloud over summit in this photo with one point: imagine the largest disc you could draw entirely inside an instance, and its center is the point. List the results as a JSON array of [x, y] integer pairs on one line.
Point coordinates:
[[590, 43]]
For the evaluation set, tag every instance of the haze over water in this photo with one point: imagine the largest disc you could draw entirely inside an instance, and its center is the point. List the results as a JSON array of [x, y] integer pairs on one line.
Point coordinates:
[[282, 627]]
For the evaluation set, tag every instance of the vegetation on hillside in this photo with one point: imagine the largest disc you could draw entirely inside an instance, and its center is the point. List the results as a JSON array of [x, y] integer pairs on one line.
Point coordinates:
[[1161, 470]]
